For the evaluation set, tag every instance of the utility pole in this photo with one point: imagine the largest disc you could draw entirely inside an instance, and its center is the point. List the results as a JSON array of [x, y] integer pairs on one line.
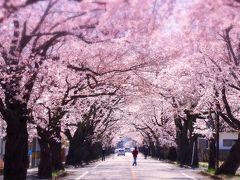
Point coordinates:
[[218, 109], [193, 154], [2, 142], [217, 134]]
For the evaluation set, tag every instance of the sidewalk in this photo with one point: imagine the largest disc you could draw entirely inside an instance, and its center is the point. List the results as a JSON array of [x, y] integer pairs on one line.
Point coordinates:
[[204, 166], [32, 174], [203, 170]]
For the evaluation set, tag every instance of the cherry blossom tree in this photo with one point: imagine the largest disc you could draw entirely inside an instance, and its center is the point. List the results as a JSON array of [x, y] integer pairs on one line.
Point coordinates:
[[21, 59], [67, 61], [55, 101], [94, 127], [156, 126], [222, 56]]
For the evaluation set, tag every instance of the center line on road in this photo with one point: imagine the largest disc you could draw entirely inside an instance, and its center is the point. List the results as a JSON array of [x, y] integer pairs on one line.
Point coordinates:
[[132, 171], [80, 177], [189, 176]]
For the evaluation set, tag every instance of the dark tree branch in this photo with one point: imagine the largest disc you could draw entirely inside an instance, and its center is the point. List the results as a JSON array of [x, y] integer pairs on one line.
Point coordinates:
[[231, 119], [29, 86], [49, 110], [85, 69], [234, 87], [68, 134], [229, 44], [92, 95]]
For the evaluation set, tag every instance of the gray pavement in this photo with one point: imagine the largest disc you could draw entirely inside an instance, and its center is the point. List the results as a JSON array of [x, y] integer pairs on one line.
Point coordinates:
[[120, 168]]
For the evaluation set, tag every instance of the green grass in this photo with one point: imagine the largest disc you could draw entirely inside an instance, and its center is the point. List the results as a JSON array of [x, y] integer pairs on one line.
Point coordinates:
[[230, 176], [57, 173], [203, 164], [211, 171]]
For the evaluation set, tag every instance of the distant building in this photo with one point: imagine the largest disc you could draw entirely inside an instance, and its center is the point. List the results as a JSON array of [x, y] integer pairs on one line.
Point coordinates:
[[34, 153], [226, 141]]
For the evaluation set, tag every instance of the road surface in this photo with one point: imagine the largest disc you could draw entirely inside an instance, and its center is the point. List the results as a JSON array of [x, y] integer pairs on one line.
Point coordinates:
[[120, 168]]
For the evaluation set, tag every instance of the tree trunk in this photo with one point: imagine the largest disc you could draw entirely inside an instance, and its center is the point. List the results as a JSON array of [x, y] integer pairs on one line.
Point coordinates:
[[70, 157], [153, 150], [194, 162], [232, 163], [172, 154], [77, 149], [212, 154], [16, 156], [158, 150], [178, 141], [73, 157], [55, 148], [182, 141], [44, 168], [184, 147]]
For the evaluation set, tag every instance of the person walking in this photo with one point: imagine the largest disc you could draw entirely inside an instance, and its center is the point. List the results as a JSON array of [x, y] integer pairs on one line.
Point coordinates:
[[145, 152], [103, 154], [135, 153]]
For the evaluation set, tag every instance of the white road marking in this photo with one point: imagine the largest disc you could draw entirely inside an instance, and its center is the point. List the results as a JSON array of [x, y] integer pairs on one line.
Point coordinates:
[[80, 177], [97, 165], [189, 176], [84, 174], [167, 166], [72, 170]]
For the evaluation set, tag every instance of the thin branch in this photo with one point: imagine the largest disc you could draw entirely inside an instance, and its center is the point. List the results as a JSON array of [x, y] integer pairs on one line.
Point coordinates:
[[85, 69]]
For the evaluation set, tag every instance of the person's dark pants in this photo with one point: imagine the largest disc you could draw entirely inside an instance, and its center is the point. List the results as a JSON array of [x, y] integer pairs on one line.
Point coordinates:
[[103, 157], [145, 156], [134, 161]]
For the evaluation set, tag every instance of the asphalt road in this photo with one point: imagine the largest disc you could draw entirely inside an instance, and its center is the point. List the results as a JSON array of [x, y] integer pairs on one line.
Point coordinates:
[[120, 168]]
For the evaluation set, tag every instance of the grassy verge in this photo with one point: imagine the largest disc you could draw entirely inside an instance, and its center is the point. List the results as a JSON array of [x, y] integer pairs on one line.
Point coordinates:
[[211, 173], [203, 164], [164, 160], [57, 174]]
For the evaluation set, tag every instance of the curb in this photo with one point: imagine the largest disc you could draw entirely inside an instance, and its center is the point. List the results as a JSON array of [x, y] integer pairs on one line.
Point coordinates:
[[210, 175]]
